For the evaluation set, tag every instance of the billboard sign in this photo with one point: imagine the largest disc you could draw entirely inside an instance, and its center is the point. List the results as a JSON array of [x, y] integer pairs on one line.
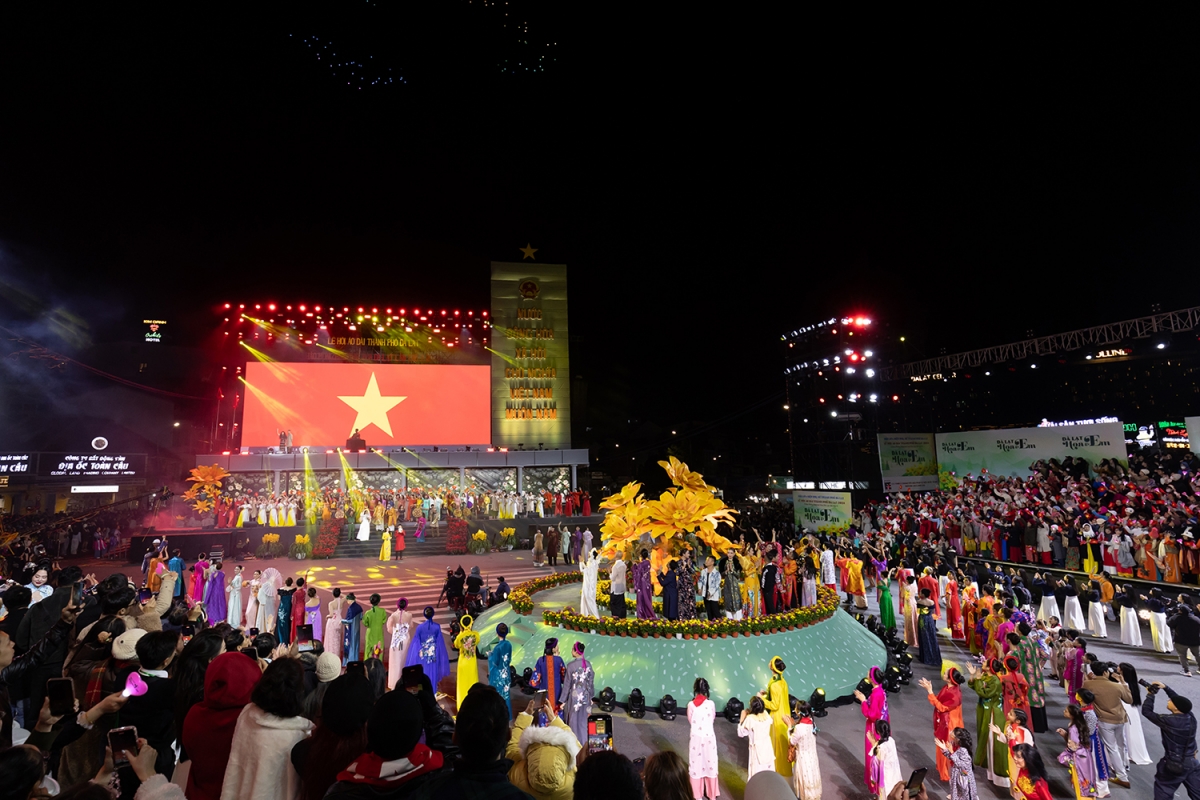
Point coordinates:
[[908, 462], [822, 511], [1010, 452], [76, 466]]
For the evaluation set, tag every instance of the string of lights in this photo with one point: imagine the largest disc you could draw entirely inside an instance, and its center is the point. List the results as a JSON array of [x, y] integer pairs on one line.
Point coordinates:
[[345, 68], [306, 322]]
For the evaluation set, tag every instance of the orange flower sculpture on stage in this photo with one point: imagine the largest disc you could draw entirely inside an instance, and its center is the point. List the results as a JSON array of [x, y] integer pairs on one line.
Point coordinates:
[[685, 514], [206, 488]]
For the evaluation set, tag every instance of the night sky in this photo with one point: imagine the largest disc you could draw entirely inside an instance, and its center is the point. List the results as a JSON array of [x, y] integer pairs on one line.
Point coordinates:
[[711, 179]]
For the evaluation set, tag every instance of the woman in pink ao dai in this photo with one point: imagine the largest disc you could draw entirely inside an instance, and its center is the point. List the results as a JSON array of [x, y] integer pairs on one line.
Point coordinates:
[[702, 745]]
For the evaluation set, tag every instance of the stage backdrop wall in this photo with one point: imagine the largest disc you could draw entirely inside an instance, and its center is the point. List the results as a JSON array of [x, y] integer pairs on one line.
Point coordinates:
[[531, 371], [908, 462], [1010, 452], [1190, 424], [391, 404], [822, 510]]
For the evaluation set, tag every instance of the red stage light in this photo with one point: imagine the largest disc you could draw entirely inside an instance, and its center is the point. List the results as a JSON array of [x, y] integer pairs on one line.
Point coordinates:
[[227, 305], [895, 397], [243, 305], [289, 308], [362, 451], [258, 305], [402, 312], [373, 310], [456, 313], [854, 357], [316, 308], [224, 452], [443, 313], [301, 307], [389, 311], [485, 313], [360, 309], [271, 307]]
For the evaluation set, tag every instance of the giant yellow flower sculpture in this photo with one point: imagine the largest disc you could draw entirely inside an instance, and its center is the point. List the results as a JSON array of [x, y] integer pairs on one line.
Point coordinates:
[[688, 508], [205, 491]]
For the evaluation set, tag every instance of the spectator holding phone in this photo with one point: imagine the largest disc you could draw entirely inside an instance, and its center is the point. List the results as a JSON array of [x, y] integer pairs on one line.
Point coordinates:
[[13, 671], [1178, 764], [543, 757]]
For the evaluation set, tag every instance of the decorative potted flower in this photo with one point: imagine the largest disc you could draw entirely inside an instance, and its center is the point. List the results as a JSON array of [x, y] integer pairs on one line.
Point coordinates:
[[478, 543], [508, 538], [301, 548]]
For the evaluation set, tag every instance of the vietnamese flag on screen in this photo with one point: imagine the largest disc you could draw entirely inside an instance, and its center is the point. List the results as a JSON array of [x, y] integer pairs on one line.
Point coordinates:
[[391, 404]]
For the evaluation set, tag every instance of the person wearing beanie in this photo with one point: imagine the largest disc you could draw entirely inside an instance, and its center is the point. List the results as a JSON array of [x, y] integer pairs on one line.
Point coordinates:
[[395, 763], [260, 763], [339, 737], [1178, 764], [209, 727], [125, 647], [328, 669]]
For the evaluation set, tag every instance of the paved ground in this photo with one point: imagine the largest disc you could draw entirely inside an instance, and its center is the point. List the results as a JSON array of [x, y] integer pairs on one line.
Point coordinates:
[[419, 578]]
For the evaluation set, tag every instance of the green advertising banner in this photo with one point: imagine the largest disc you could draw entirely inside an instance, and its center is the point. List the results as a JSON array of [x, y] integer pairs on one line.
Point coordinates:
[[908, 462], [821, 512], [1010, 452]]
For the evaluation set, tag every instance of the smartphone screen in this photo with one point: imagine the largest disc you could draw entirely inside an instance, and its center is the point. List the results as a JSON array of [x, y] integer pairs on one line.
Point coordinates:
[[600, 733], [61, 692], [916, 780], [144, 595], [411, 676], [122, 739], [77, 594], [304, 638]]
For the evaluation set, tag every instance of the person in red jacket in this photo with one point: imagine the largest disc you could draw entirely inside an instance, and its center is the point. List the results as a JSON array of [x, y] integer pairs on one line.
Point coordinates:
[[208, 729]]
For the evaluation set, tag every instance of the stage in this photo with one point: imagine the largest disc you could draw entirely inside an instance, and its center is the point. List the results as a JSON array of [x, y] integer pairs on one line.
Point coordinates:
[[193, 541], [834, 654]]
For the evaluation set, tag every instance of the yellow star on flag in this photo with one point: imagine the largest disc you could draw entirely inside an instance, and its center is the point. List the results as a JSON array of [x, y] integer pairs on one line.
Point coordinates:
[[372, 408], [528, 251]]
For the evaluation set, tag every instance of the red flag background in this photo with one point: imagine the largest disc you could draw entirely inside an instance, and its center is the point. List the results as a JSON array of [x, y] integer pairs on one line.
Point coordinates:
[[443, 404]]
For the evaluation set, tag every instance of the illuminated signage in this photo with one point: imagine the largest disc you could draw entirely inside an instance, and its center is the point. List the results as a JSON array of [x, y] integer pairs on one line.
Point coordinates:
[[1045, 423], [91, 465], [1116, 352], [153, 333], [106, 488], [1173, 435], [16, 463], [937, 376]]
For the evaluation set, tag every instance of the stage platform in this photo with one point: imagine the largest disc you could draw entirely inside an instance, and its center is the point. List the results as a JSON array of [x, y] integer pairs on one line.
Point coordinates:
[[193, 541], [834, 654]]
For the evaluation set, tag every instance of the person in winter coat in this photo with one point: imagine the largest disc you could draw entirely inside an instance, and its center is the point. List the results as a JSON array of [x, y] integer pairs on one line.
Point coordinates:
[[543, 758], [260, 764], [209, 728], [13, 672]]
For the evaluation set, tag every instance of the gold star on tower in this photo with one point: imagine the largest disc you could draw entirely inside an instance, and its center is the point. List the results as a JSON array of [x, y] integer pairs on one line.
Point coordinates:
[[528, 251], [372, 408]]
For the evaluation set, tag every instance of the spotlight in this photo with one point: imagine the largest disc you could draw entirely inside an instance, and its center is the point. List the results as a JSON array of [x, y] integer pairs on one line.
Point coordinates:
[[607, 699], [526, 675], [637, 704], [817, 701], [892, 680], [733, 710], [667, 707]]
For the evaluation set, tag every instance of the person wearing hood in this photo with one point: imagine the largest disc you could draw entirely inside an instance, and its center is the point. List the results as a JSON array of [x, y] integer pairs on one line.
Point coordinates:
[[543, 758], [209, 728], [260, 763]]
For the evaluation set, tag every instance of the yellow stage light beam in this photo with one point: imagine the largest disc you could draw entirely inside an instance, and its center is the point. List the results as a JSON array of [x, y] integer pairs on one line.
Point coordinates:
[[284, 416]]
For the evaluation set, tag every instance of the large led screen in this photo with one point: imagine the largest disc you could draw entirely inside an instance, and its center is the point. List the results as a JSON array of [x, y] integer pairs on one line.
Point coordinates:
[[390, 404]]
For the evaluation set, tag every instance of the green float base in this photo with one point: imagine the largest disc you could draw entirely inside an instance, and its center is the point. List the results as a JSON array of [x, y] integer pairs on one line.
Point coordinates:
[[834, 654]]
